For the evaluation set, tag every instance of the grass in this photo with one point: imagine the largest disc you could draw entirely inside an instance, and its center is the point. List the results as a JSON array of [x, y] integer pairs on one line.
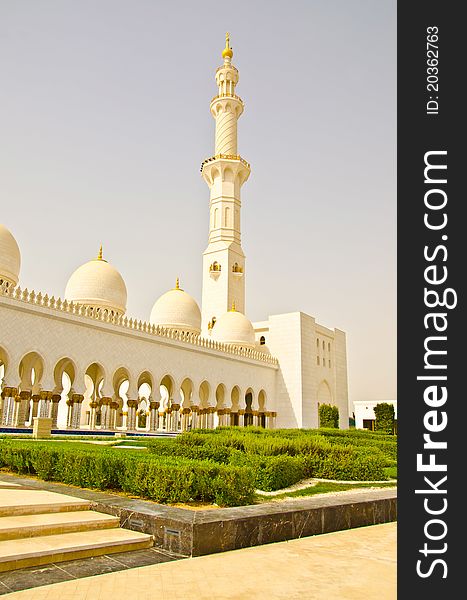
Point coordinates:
[[323, 488]]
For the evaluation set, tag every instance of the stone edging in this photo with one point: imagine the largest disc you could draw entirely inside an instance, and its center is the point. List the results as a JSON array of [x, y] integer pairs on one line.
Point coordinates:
[[185, 532]]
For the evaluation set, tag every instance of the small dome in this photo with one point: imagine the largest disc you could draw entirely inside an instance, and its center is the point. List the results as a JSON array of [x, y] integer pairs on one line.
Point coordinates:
[[99, 285], [177, 310], [234, 328], [10, 257]]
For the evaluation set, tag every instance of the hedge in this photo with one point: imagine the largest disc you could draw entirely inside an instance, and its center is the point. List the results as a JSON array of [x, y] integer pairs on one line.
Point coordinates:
[[328, 416], [161, 479], [280, 460]]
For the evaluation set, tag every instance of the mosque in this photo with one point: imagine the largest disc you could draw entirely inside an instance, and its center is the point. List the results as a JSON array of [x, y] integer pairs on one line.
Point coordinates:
[[81, 361]]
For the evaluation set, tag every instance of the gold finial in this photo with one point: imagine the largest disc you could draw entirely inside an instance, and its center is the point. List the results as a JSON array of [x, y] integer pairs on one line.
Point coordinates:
[[233, 309], [177, 285], [227, 51], [99, 256]]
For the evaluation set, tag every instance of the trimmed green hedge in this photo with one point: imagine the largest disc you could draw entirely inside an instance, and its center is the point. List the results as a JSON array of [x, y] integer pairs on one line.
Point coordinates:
[[280, 458], [161, 479]]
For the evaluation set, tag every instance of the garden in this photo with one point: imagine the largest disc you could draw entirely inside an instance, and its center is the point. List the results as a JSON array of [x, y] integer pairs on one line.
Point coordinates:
[[226, 466]]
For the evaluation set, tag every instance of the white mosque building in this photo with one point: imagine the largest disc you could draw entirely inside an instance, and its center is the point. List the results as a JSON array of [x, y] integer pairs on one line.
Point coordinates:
[[83, 362]]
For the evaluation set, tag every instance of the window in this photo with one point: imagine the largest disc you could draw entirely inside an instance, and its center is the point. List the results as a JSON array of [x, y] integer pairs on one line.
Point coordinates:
[[329, 347], [324, 346], [317, 343], [329, 363], [262, 340], [317, 360]]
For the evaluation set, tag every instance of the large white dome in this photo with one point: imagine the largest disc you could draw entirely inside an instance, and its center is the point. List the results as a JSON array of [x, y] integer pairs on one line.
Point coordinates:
[[10, 257], [98, 284], [234, 328], [177, 310]]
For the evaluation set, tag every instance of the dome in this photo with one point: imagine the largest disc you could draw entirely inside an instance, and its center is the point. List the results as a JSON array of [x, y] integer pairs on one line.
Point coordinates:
[[177, 310], [10, 257], [234, 328], [97, 284]]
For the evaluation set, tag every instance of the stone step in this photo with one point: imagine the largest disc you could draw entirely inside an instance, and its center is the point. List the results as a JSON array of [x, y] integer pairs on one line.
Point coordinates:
[[14, 502], [36, 551], [25, 526]]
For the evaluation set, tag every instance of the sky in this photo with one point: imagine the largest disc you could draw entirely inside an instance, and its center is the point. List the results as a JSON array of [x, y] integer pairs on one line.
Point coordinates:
[[104, 122]]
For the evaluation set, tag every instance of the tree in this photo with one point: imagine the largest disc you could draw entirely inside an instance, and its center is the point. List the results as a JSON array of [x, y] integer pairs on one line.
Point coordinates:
[[384, 414], [328, 416]]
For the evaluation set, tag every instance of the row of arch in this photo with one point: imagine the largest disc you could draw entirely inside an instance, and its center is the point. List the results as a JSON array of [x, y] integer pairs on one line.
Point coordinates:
[[90, 399]]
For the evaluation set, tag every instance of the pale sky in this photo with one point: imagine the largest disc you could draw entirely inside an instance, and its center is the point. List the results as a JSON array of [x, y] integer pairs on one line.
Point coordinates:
[[104, 121]]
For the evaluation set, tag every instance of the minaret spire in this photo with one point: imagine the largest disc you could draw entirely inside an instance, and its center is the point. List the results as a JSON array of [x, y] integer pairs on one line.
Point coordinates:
[[225, 172]]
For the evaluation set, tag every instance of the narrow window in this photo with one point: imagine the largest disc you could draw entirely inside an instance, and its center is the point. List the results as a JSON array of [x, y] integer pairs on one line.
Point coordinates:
[[262, 340], [317, 360]]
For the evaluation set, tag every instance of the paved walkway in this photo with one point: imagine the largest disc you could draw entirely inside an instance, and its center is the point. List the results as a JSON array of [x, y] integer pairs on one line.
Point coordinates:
[[355, 564]]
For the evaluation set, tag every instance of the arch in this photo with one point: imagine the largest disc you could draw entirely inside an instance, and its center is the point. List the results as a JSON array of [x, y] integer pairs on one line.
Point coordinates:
[[186, 391], [262, 399], [249, 398], [64, 365], [262, 341], [120, 376], [167, 388], [216, 218], [220, 396], [204, 394], [324, 394], [31, 370], [227, 217], [235, 398], [145, 377]]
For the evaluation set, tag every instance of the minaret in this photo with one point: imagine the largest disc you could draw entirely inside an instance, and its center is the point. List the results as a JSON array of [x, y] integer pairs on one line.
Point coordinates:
[[225, 173]]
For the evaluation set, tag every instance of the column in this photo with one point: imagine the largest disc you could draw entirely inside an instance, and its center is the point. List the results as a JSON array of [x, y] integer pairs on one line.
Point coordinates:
[[92, 417], [8, 394], [105, 410], [55, 403], [241, 417], [273, 420], [153, 415], [113, 414], [226, 419], [69, 413], [131, 419], [21, 401], [35, 406], [76, 414], [3, 404], [185, 426], [45, 401], [175, 416], [194, 417], [260, 418], [212, 411]]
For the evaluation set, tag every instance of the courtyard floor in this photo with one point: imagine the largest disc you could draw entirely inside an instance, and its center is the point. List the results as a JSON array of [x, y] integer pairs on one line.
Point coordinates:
[[354, 564]]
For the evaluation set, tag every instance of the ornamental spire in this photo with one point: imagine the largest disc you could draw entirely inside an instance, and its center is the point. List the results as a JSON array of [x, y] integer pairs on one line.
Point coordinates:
[[99, 256], [227, 51]]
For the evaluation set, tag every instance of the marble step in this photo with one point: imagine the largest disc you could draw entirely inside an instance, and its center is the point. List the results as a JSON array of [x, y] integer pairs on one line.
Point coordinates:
[[25, 526], [36, 551], [22, 501]]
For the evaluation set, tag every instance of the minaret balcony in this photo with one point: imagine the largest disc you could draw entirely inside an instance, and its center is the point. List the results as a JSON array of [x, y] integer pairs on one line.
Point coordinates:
[[221, 96], [237, 270], [215, 270]]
